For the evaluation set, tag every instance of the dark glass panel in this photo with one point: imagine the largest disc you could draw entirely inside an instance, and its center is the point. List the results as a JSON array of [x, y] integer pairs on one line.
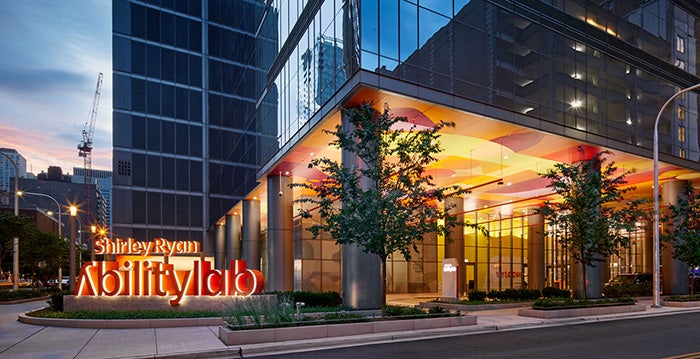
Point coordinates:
[[182, 136], [122, 54], [138, 21], [153, 24], [168, 170], [154, 208], [196, 178], [168, 136], [153, 133], [153, 98], [138, 169], [138, 139], [140, 207], [169, 208], [153, 61], [138, 58], [195, 140], [168, 100]]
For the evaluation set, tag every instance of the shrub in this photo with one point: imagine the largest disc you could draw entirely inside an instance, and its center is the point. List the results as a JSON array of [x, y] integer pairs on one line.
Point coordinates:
[[398, 311], [514, 294], [477, 296], [559, 302], [314, 299], [21, 294], [628, 290], [552, 292]]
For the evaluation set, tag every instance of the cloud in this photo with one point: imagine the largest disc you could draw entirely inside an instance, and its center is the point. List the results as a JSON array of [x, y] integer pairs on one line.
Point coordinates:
[[37, 80]]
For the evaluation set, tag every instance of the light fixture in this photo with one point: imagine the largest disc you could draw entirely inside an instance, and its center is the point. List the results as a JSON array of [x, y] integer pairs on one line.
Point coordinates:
[[576, 103], [73, 211]]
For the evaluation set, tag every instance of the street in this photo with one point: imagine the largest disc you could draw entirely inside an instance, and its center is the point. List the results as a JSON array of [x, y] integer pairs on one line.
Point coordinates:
[[653, 337]]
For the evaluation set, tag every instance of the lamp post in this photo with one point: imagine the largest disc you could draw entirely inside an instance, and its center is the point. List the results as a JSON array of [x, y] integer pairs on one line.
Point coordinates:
[[15, 241], [657, 277], [22, 193], [73, 216]]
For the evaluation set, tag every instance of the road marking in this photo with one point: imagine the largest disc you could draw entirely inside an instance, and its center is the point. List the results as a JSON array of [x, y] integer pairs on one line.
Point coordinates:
[[695, 355]]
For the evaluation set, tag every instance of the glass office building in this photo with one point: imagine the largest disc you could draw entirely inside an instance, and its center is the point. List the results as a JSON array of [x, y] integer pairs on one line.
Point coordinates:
[[526, 82], [186, 74]]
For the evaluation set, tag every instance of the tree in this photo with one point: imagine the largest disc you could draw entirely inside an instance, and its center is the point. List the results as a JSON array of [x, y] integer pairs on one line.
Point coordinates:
[[385, 202], [42, 253], [684, 231], [11, 226], [592, 216]]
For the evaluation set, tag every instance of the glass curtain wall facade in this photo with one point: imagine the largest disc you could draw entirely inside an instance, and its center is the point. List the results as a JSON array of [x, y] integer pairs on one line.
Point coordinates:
[[187, 75], [599, 71]]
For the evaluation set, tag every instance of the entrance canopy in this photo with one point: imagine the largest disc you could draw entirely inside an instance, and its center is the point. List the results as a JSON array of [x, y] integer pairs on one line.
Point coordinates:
[[498, 161]]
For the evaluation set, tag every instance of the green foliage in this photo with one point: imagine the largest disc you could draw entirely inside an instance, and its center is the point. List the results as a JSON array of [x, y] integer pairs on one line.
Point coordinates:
[[8, 295], [477, 296], [399, 311], [628, 290], [593, 218], [682, 298], [684, 232], [553, 292], [570, 303], [314, 299], [388, 202]]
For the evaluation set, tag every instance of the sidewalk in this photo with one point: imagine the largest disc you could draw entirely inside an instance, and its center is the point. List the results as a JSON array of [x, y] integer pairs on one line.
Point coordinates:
[[18, 340]]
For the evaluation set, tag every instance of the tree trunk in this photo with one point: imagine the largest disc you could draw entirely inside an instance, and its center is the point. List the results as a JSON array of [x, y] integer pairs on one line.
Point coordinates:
[[383, 286], [585, 285]]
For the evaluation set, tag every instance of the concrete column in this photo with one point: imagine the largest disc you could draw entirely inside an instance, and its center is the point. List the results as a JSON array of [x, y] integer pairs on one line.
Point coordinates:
[[233, 237], [675, 273], [361, 272], [535, 250], [454, 245], [250, 248], [594, 274], [219, 246], [280, 235]]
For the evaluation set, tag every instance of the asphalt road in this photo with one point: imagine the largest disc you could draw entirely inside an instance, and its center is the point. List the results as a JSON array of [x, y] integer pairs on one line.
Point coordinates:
[[675, 335]]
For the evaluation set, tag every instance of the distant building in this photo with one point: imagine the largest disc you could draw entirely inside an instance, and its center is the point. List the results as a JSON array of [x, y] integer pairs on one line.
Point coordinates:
[[103, 180], [7, 170]]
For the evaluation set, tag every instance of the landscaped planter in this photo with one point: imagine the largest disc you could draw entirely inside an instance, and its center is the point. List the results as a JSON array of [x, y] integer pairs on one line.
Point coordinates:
[[254, 336], [682, 304], [579, 312]]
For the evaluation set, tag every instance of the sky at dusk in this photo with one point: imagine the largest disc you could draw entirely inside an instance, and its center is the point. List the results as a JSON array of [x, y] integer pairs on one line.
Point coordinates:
[[50, 55]]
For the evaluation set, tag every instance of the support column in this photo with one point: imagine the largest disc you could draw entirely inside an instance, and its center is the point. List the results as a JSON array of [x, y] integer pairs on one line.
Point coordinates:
[[280, 235], [233, 237], [454, 245], [250, 248], [219, 246], [648, 245], [361, 272], [535, 250], [675, 273]]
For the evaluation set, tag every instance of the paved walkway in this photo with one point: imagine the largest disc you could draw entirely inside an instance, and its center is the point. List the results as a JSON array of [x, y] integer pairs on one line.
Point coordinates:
[[18, 340]]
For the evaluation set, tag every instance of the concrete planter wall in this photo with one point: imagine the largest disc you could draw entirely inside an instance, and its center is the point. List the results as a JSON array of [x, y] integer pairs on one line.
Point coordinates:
[[129, 303], [579, 312], [690, 304], [254, 336]]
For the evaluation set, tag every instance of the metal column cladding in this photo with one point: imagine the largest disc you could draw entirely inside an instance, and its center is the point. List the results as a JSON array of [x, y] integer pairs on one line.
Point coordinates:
[[233, 237], [454, 246], [251, 234], [535, 249], [220, 247], [361, 272], [675, 273], [280, 239]]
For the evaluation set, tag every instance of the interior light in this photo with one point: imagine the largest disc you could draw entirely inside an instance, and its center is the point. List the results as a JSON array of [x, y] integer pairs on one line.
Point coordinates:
[[576, 75], [286, 173], [629, 121], [576, 103]]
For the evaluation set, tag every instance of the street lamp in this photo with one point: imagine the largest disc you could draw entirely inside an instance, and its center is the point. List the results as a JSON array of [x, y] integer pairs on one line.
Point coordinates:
[[22, 193], [657, 277], [73, 216], [15, 241]]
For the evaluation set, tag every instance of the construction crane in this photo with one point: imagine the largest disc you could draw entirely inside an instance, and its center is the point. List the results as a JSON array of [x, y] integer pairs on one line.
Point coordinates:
[[85, 151]]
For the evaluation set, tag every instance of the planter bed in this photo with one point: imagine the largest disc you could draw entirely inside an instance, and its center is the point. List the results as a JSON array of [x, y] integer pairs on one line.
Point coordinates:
[[255, 336], [121, 323], [473, 307], [564, 312]]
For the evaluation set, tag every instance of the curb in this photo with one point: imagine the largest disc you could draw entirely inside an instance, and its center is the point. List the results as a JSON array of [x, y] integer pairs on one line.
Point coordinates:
[[121, 323]]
